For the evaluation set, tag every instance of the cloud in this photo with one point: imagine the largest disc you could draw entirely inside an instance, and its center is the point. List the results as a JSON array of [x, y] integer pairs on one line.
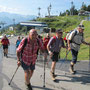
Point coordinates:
[[8, 9]]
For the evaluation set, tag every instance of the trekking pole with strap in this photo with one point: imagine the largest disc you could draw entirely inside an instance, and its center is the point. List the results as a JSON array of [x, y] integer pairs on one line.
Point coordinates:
[[64, 59], [89, 58], [13, 75]]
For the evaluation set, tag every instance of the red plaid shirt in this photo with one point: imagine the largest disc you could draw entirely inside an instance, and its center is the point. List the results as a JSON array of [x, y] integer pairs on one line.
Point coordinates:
[[29, 54]]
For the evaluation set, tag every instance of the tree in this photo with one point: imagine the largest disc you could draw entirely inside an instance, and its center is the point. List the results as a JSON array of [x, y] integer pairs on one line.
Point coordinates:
[[84, 7], [88, 8], [68, 12], [60, 14], [75, 12]]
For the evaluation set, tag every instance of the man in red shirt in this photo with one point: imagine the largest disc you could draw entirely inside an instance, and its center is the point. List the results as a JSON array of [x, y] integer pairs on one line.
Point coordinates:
[[5, 43], [29, 55]]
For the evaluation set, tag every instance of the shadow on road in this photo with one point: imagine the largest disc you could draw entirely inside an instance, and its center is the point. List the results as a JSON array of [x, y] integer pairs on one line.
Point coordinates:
[[81, 76], [43, 88], [13, 85]]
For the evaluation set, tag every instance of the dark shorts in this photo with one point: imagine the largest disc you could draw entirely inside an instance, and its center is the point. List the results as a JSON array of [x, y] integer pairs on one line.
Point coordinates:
[[55, 56], [74, 56], [5, 46], [26, 67]]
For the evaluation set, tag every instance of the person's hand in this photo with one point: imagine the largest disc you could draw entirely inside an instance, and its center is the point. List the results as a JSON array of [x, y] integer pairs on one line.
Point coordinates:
[[69, 48], [18, 63], [88, 44], [50, 53]]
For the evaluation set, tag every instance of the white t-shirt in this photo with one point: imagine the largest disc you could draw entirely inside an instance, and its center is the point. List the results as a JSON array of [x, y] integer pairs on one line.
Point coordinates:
[[76, 37]]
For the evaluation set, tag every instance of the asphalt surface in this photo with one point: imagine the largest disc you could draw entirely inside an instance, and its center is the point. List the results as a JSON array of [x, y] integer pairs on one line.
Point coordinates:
[[64, 80]]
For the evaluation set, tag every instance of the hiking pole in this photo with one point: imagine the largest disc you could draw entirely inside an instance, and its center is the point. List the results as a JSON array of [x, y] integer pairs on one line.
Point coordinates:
[[89, 58], [44, 72], [13, 75], [64, 59]]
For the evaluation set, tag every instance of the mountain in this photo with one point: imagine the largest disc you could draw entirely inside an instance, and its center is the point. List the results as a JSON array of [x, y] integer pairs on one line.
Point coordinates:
[[11, 18]]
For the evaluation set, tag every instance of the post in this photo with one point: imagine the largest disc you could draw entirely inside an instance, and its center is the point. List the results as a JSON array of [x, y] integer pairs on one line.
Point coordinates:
[[89, 58], [44, 72]]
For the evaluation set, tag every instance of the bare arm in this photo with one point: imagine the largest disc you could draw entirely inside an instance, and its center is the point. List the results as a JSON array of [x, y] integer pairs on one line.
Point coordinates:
[[69, 48], [18, 56], [85, 43]]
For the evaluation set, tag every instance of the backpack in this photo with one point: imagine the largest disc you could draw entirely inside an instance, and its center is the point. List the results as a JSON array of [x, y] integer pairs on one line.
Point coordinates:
[[54, 40], [25, 43], [17, 43], [67, 36]]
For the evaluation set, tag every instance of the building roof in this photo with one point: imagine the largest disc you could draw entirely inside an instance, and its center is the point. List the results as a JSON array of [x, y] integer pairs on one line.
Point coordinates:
[[34, 23]]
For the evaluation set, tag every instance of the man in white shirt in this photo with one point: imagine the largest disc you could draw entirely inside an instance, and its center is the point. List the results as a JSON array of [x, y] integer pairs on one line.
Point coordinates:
[[75, 39]]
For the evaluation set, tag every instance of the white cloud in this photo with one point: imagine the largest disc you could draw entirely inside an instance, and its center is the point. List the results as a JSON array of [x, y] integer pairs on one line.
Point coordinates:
[[8, 9]]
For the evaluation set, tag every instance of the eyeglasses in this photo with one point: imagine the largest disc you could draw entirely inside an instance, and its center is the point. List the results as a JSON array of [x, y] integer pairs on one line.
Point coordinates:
[[60, 32]]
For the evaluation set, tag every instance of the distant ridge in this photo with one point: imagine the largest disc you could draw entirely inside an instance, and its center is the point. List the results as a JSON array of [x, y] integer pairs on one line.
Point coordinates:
[[9, 18]]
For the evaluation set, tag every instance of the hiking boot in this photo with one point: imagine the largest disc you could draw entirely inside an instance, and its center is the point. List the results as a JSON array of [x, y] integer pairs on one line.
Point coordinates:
[[53, 76], [28, 87], [72, 69], [6, 56]]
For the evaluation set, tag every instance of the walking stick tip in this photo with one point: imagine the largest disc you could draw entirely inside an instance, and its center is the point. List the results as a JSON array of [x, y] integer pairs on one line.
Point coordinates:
[[8, 83], [43, 85]]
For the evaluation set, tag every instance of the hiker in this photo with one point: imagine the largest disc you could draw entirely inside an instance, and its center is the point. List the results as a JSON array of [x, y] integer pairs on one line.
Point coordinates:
[[54, 45], [39, 51], [18, 42], [45, 42], [75, 39], [22, 37], [5, 42], [29, 55]]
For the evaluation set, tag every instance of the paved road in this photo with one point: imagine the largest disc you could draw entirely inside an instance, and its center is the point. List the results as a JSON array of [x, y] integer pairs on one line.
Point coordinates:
[[65, 81]]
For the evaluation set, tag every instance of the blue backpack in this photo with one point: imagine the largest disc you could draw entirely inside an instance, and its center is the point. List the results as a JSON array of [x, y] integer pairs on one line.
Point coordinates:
[[17, 43]]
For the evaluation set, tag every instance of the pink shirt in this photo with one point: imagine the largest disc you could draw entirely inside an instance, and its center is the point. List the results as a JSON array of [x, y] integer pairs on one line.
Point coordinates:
[[29, 54]]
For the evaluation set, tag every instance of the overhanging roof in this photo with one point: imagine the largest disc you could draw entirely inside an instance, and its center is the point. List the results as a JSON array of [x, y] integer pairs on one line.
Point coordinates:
[[34, 23]]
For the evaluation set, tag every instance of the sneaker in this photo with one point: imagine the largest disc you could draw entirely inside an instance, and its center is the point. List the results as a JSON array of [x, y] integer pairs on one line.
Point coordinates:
[[28, 87]]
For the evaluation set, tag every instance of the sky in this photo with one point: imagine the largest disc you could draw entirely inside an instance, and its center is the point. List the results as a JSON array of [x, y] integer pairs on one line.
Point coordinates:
[[30, 7]]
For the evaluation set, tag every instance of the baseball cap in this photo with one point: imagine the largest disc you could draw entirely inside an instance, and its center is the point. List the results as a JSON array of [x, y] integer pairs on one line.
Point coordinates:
[[81, 26], [59, 31]]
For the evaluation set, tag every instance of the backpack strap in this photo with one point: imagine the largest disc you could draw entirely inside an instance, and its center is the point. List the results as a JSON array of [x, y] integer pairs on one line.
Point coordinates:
[[73, 36], [54, 39], [25, 43], [38, 41]]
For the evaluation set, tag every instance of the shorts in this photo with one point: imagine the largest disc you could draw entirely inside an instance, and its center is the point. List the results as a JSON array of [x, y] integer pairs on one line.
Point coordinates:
[[26, 67], [5, 46], [55, 56], [74, 55]]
